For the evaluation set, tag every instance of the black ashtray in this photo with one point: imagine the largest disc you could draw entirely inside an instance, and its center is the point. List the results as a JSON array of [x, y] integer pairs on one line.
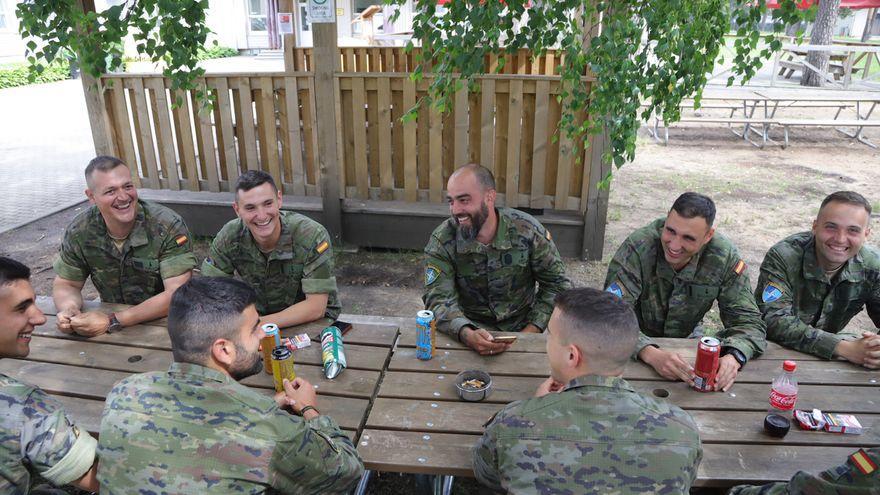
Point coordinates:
[[777, 425]]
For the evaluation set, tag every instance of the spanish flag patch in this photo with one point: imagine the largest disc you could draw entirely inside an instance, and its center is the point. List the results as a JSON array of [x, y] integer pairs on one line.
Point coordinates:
[[181, 240], [862, 462], [548, 236], [322, 247], [739, 267]]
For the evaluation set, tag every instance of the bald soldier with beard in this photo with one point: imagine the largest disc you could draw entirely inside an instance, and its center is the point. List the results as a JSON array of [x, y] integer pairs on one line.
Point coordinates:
[[489, 268]]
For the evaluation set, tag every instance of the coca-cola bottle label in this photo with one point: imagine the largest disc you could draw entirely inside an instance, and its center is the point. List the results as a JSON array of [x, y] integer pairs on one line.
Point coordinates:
[[782, 401]]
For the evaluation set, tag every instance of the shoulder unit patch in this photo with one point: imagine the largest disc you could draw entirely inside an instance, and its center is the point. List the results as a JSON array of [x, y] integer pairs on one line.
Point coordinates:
[[181, 240], [771, 293], [322, 247], [863, 462], [615, 289], [739, 267], [431, 274]]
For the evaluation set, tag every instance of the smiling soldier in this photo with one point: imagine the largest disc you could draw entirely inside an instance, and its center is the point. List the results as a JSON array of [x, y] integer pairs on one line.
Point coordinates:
[[135, 252], [489, 268], [672, 271], [813, 283], [286, 257]]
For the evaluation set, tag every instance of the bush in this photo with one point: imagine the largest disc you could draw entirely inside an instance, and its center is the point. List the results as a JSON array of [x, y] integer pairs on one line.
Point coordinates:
[[217, 52], [12, 75]]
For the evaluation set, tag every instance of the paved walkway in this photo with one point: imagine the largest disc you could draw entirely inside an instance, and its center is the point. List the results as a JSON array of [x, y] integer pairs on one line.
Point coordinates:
[[45, 143]]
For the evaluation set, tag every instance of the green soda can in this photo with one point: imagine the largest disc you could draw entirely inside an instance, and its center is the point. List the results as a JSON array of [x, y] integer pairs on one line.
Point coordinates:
[[332, 352]]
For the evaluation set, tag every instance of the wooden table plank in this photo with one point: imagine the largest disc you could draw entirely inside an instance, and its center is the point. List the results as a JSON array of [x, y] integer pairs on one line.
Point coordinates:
[[715, 426], [99, 353], [742, 396], [155, 333], [536, 343], [533, 364]]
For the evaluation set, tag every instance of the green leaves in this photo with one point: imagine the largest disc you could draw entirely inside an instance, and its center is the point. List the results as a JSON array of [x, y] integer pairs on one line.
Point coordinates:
[[655, 53]]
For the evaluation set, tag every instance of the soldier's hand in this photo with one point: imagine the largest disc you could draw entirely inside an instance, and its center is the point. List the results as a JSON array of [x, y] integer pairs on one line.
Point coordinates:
[[90, 324], [549, 386], [669, 365], [864, 351], [300, 394], [482, 341], [728, 368], [63, 319]]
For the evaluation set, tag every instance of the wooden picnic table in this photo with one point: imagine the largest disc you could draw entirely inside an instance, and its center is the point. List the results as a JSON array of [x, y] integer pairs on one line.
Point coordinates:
[[419, 425], [81, 371]]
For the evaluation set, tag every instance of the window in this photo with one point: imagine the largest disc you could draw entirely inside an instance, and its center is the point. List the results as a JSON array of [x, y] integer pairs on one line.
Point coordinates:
[[304, 17], [257, 15]]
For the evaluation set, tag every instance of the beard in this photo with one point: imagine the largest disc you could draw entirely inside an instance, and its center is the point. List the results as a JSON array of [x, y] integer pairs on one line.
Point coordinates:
[[476, 223], [246, 363]]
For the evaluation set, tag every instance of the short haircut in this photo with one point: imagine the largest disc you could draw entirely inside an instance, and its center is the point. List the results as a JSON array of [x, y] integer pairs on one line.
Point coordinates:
[[692, 205], [103, 163], [203, 310], [483, 174], [601, 324], [11, 270], [849, 197], [252, 179]]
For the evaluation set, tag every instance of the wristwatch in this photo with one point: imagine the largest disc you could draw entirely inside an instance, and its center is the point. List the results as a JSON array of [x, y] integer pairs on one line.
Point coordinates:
[[114, 325], [303, 411], [736, 353]]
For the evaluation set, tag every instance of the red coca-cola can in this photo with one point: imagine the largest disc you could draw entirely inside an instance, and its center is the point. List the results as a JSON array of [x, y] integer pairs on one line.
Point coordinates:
[[706, 365]]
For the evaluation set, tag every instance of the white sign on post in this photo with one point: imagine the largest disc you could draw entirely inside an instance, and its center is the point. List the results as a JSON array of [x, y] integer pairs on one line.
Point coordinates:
[[322, 11], [285, 23]]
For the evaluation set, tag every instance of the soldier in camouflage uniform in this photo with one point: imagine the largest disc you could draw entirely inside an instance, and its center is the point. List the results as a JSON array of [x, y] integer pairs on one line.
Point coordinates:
[[587, 431], [195, 429], [813, 283], [35, 434], [672, 271], [859, 475], [135, 252], [482, 265], [285, 256]]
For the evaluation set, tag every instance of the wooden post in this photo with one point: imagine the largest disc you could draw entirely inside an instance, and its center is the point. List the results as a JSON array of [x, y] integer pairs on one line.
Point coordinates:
[[93, 91], [596, 214], [326, 63]]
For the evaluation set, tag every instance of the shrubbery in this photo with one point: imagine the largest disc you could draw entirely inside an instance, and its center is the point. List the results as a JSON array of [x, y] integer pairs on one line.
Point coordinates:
[[16, 74], [217, 52]]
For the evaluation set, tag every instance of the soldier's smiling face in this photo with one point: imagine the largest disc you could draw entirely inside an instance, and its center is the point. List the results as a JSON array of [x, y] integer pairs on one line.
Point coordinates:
[[114, 194], [682, 238], [260, 209], [18, 317], [840, 229], [469, 202]]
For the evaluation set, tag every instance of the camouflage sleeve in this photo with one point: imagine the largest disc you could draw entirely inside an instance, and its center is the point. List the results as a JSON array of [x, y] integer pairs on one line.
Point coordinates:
[[744, 329], [219, 260], [486, 457], [624, 279], [549, 270], [70, 264], [318, 270], [873, 304], [440, 295], [318, 459], [775, 299], [769, 489], [52, 444], [176, 256]]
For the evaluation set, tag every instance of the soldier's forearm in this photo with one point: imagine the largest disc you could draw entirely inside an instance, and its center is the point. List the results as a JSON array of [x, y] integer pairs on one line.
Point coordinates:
[[311, 309], [66, 295]]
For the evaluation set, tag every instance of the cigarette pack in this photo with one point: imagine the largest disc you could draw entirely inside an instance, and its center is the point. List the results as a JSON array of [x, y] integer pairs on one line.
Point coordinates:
[[810, 420], [842, 423], [301, 341]]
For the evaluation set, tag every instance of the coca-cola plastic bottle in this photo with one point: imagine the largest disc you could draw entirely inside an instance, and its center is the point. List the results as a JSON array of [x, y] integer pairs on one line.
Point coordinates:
[[783, 397]]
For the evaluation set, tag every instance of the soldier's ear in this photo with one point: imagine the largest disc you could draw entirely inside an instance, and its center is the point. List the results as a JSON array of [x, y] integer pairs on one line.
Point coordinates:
[[710, 234], [90, 195], [223, 352]]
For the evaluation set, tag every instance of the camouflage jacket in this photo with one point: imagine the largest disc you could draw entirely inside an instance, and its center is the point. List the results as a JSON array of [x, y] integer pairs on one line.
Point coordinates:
[[197, 430], [493, 286], [301, 263], [672, 304], [36, 435], [802, 308], [854, 477], [157, 248], [596, 436]]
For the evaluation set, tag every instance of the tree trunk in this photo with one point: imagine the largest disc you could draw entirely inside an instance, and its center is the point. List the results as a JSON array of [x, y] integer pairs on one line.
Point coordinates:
[[869, 23], [823, 30]]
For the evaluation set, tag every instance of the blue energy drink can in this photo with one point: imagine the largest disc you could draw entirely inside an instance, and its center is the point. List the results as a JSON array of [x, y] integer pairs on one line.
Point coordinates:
[[426, 329]]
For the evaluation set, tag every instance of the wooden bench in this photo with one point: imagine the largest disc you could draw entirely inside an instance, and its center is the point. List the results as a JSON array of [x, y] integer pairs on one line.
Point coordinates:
[[859, 124], [835, 68], [730, 121]]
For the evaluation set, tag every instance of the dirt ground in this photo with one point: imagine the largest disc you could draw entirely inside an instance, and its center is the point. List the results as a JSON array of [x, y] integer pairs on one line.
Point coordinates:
[[762, 196]]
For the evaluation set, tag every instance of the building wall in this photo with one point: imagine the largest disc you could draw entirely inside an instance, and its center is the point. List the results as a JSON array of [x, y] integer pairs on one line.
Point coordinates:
[[11, 46]]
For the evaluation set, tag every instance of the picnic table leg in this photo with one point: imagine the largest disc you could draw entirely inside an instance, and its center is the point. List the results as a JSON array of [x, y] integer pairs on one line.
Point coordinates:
[[859, 129], [443, 485], [362, 484]]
